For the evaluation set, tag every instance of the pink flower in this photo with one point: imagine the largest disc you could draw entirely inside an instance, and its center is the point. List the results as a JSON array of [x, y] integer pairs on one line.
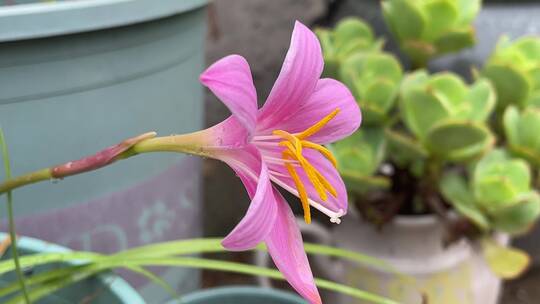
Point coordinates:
[[281, 144]]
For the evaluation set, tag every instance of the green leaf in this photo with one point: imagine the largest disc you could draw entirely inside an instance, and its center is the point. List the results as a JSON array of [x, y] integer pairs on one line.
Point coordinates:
[[163, 254], [454, 189], [350, 29], [381, 94], [511, 85], [459, 140], [529, 47], [505, 262], [441, 16], [511, 123], [454, 40], [498, 180], [468, 9], [404, 18], [519, 216], [480, 100], [528, 127], [362, 152], [421, 110], [450, 85]]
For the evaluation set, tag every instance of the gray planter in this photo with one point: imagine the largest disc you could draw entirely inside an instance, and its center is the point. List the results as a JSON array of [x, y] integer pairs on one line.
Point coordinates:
[[77, 76]]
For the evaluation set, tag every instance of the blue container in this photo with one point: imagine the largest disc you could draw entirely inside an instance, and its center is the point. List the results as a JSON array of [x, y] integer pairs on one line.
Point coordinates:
[[78, 76], [107, 288], [240, 295]]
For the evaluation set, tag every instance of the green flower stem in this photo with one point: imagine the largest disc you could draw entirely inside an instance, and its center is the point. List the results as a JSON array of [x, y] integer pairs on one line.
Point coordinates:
[[30, 178], [194, 143], [11, 219]]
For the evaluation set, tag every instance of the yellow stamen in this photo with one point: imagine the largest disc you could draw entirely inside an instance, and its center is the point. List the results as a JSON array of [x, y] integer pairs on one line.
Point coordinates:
[[296, 154], [318, 126], [293, 144], [324, 182], [301, 189], [321, 149]]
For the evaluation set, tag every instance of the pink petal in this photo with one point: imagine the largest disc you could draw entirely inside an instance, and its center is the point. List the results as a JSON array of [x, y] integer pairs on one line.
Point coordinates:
[[329, 94], [287, 250], [299, 74], [260, 217], [228, 134], [337, 204], [230, 80]]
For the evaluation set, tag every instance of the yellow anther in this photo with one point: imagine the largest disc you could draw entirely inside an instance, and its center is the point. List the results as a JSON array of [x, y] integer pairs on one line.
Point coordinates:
[[318, 126], [300, 187], [321, 149], [312, 176], [324, 182]]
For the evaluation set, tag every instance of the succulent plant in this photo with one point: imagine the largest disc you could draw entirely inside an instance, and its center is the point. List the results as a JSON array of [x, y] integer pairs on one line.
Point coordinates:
[[499, 196], [446, 116], [359, 156], [514, 69], [350, 36], [429, 28], [521, 130], [374, 80]]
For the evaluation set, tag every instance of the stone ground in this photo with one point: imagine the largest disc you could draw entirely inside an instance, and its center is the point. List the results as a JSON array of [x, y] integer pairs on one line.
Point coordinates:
[[260, 31]]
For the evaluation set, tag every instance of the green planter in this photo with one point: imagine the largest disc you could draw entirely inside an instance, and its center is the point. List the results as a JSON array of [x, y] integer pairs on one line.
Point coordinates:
[[107, 288], [78, 76], [240, 295]]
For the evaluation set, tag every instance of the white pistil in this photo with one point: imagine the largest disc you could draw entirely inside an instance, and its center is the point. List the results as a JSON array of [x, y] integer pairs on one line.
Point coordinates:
[[266, 137], [334, 216]]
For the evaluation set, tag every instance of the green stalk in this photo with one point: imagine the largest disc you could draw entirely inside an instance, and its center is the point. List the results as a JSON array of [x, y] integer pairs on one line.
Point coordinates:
[[197, 143], [11, 219]]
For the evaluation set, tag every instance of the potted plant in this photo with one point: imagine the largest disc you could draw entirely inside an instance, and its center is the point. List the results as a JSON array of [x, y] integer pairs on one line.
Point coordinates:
[[443, 171]]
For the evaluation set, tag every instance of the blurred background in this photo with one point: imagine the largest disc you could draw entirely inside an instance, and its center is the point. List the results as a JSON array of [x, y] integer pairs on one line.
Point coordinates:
[[79, 75]]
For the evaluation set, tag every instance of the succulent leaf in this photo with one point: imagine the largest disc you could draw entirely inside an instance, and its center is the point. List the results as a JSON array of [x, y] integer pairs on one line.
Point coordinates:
[[458, 140], [521, 130], [514, 69], [447, 116], [374, 81], [505, 262], [429, 28], [519, 215], [455, 190], [361, 152]]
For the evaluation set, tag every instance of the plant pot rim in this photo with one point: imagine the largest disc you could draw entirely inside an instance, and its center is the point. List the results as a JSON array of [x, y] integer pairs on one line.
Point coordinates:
[[118, 286], [420, 220], [44, 19]]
